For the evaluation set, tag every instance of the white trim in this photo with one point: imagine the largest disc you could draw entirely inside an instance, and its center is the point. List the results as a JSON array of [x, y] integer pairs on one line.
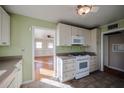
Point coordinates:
[[101, 65], [26, 82], [114, 30], [105, 47], [45, 28], [116, 68], [102, 36], [54, 49], [33, 66]]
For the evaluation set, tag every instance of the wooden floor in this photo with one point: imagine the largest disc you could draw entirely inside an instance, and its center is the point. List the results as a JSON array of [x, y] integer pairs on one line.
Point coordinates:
[[43, 67]]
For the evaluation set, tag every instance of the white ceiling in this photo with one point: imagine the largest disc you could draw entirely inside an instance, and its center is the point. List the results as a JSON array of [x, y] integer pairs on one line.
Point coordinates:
[[67, 14], [41, 33]]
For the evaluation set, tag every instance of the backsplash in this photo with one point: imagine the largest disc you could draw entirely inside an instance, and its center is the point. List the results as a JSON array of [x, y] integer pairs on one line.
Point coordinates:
[[69, 49]]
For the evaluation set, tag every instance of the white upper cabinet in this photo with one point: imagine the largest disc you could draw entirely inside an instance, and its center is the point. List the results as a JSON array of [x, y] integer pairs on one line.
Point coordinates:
[[4, 28], [86, 35], [63, 35], [93, 40], [76, 31]]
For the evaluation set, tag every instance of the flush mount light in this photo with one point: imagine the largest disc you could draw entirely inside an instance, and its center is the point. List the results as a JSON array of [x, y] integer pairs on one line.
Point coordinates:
[[83, 9]]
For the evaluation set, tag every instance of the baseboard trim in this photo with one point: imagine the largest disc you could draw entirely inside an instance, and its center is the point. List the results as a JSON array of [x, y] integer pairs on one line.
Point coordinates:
[[28, 81], [116, 68]]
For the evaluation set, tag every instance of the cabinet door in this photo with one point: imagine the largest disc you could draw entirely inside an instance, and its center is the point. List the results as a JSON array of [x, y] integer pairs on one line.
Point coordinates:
[[0, 27], [63, 35], [86, 36], [93, 43], [80, 32], [74, 31], [13, 83], [93, 64], [5, 28], [68, 75], [19, 66]]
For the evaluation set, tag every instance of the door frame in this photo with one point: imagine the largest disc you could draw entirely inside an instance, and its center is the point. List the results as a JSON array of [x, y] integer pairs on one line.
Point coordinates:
[[33, 49], [102, 42]]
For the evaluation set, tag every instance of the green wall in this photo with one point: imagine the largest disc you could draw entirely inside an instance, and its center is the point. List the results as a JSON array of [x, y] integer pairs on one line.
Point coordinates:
[[103, 29], [21, 38], [120, 24]]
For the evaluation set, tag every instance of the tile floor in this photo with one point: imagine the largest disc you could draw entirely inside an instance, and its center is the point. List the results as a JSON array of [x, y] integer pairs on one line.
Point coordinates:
[[95, 80]]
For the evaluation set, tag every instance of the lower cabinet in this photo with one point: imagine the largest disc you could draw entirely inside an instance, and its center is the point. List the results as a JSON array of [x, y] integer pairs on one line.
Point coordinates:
[[15, 79], [13, 83], [65, 69], [93, 63], [67, 76], [19, 74]]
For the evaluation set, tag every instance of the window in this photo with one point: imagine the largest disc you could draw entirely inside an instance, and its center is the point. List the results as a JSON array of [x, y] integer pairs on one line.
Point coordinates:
[[38, 44], [50, 45]]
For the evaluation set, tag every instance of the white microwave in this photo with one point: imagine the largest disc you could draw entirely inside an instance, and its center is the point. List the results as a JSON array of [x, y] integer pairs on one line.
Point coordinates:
[[78, 40]]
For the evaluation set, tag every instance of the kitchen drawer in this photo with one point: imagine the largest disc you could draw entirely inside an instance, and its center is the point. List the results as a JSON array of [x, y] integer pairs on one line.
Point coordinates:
[[93, 60], [93, 57], [68, 75], [69, 66], [93, 63]]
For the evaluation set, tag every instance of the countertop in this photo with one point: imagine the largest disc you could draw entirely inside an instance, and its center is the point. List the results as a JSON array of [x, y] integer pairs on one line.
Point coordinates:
[[7, 66], [77, 53], [66, 57]]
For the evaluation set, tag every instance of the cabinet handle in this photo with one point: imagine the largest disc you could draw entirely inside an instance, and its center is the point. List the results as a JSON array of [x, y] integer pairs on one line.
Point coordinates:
[[3, 42]]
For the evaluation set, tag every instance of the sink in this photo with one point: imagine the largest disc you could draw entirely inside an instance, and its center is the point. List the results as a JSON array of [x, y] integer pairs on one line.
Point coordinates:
[[2, 72]]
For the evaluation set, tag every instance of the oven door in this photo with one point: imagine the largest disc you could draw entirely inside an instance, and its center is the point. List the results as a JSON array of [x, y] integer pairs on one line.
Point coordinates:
[[82, 66]]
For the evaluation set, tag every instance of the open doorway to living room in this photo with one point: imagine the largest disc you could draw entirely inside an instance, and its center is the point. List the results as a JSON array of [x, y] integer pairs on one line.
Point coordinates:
[[43, 53]]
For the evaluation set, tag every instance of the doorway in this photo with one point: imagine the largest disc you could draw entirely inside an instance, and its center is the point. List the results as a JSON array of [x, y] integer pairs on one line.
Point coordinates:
[[44, 52], [112, 52]]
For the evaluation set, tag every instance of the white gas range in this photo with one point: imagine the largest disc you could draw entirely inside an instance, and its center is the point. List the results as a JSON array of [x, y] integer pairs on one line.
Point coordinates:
[[82, 66]]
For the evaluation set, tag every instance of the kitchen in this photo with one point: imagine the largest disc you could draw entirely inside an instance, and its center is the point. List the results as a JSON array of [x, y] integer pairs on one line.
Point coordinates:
[[78, 49], [81, 63]]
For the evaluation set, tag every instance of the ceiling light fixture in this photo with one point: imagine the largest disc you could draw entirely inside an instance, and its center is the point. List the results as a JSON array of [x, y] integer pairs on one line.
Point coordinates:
[[83, 9]]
